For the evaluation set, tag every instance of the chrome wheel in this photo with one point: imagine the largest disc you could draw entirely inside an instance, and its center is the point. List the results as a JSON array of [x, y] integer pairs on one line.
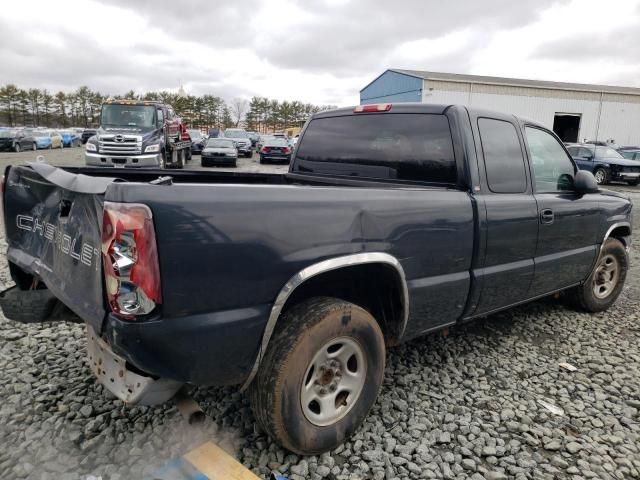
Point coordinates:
[[605, 276], [333, 381], [600, 176]]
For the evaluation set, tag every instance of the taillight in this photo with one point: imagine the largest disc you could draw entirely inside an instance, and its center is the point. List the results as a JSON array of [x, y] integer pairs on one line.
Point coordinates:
[[265, 150], [130, 259], [380, 107], [286, 150]]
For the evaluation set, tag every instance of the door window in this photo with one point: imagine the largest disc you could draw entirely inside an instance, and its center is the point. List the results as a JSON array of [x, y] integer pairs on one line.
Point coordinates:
[[503, 157], [552, 167], [585, 153]]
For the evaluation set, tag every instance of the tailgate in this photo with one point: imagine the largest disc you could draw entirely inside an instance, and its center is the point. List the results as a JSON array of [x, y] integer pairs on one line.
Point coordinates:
[[53, 221]]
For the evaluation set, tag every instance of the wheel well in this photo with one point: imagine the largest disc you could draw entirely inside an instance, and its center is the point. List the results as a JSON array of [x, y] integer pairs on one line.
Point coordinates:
[[622, 233], [376, 287]]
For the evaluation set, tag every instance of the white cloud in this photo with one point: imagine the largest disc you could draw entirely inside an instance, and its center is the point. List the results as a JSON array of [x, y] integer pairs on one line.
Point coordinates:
[[320, 52]]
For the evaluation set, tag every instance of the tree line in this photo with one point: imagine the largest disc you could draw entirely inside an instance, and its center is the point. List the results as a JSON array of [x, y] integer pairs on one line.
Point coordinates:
[[81, 108]]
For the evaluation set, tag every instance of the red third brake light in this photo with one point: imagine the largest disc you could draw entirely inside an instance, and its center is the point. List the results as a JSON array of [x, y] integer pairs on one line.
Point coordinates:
[[379, 107], [130, 259]]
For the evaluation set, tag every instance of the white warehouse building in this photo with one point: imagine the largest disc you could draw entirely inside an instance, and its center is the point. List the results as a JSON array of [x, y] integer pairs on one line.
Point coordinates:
[[576, 112]]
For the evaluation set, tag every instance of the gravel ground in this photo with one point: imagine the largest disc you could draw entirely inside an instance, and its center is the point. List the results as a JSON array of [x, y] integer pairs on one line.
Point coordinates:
[[455, 406]]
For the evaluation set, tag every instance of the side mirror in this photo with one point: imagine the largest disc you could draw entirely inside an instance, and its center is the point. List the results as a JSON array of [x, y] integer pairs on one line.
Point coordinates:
[[585, 182]]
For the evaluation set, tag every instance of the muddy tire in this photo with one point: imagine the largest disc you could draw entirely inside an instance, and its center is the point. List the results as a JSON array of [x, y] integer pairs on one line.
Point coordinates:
[[605, 283], [320, 376]]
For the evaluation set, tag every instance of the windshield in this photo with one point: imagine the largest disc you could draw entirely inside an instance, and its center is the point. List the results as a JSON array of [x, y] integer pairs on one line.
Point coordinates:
[[195, 134], [41, 134], [8, 133], [142, 116], [235, 134], [219, 143], [607, 152]]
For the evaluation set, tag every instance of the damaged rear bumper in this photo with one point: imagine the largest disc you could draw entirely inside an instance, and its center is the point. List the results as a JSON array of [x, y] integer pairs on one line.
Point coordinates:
[[132, 387]]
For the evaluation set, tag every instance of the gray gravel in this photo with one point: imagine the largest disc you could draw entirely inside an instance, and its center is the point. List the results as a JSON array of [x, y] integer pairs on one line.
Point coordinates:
[[455, 406]]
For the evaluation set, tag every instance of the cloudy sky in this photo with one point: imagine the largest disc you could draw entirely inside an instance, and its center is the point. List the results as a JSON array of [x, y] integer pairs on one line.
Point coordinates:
[[320, 51]]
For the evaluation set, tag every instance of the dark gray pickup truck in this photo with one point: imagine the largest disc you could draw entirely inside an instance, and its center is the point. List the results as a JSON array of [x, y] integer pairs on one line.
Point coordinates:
[[393, 221]]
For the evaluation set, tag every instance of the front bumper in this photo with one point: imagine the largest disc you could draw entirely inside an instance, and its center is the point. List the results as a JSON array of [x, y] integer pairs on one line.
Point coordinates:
[[138, 161], [207, 161], [196, 148], [627, 176], [115, 375]]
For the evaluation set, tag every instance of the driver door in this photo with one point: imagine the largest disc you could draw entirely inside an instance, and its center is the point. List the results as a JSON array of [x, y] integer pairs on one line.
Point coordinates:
[[568, 222]]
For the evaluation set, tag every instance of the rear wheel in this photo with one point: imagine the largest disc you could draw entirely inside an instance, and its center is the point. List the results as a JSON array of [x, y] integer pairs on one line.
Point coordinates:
[[602, 176], [34, 147], [16, 147], [320, 376], [605, 283]]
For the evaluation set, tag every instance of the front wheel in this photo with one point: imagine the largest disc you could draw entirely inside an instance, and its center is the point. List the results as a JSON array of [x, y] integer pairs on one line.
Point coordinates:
[[605, 283], [16, 148], [634, 183], [34, 147], [320, 376], [601, 175]]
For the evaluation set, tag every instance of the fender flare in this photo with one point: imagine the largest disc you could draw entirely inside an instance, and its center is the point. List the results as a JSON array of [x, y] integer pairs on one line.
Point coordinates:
[[611, 229], [316, 269]]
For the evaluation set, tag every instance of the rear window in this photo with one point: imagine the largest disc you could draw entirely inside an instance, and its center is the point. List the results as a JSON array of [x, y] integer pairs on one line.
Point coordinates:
[[403, 146]]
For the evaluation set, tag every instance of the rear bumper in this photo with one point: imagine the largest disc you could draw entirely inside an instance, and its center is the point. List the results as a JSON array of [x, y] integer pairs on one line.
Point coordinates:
[[137, 161], [208, 349], [113, 372], [274, 157]]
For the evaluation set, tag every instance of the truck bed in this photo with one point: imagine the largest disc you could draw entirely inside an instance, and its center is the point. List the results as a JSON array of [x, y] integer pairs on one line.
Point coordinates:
[[228, 243]]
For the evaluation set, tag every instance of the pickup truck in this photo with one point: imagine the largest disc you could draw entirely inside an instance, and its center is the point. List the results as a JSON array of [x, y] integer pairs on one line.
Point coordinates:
[[393, 221]]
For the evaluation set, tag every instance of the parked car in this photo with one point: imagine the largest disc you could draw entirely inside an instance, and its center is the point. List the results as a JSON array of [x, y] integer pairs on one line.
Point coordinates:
[[630, 154], [17, 139], [219, 151], [70, 138], [606, 164], [242, 140], [87, 133], [253, 136], [275, 150], [261, 140], [47, 139], [393, 221], [197, 141], [215, 133]]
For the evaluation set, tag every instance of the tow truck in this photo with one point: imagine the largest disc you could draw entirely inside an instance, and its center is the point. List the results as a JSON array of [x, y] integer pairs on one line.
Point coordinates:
[[136, 134]]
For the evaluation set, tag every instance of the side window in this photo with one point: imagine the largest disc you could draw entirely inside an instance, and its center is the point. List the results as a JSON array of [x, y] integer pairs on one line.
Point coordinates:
[[503, 157], [552, 166], [585, 153], [160, 116], [574, 151]]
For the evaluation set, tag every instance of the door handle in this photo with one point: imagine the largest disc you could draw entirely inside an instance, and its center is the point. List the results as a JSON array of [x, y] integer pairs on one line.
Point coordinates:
[[546, 216]]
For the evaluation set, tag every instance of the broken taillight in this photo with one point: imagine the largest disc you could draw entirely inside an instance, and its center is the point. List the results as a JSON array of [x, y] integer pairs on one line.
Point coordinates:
[[130, 259]]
